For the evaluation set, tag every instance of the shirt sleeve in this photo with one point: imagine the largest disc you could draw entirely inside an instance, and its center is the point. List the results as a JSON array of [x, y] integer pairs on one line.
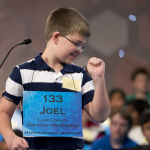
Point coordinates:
[[87, 89], [14, 87]]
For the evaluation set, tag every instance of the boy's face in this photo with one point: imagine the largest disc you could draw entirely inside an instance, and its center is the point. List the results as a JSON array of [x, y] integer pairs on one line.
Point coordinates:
[[66, 51], [119, 127], [140, 83], [134, 113], [116, 101], [146, 131]]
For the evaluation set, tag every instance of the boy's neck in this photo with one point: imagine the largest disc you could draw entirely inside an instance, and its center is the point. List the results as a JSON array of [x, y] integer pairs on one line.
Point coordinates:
[[140, 95], [116, 143], [51, 61]]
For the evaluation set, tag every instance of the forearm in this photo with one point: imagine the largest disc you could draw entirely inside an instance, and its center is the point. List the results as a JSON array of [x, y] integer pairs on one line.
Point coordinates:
[[100, 107], [5, 127]]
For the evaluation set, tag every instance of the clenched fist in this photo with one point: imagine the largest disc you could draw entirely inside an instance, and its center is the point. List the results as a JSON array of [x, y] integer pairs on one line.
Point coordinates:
[[95, 67]]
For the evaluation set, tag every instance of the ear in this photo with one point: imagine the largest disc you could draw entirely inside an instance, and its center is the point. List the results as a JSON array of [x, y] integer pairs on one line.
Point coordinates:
[[55, 37]]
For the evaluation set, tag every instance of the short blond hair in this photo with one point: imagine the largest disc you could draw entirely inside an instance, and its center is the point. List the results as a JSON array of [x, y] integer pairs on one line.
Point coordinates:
[[66, 21]]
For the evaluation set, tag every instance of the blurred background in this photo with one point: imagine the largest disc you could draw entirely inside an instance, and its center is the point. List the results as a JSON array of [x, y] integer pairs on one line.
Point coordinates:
[[120, 34]]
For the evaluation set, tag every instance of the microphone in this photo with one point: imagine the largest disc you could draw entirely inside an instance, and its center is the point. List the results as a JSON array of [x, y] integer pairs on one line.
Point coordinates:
[[27, 41]]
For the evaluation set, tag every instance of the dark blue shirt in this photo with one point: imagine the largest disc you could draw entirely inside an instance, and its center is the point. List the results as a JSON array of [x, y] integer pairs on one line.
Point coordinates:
[[104, 144]]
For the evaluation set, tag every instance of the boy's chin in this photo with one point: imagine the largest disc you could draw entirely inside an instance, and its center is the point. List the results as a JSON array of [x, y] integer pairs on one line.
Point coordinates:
[[69, 62]]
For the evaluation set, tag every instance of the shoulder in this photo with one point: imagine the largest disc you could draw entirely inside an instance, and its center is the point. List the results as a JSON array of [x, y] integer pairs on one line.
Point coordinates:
[[78, 68], [148, 94], [17, 71], [102, 143], [27, 65], [130, 143], [102, 140], [130, 97]]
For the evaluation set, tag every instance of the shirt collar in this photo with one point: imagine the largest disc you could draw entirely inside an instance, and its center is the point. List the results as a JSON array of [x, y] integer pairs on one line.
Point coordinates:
[[67, 69], [41, 65]]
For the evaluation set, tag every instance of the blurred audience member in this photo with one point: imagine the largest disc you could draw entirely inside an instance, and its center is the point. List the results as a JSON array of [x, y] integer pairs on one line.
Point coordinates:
[[117, 101], [16, 120], [91, 130], [121, 122], [1, 138], [140, 82], [136, 107], [145, 124]]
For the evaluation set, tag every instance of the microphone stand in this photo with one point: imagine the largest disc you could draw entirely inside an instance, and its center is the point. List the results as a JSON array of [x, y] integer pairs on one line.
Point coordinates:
[[8, 54], [27, 41]]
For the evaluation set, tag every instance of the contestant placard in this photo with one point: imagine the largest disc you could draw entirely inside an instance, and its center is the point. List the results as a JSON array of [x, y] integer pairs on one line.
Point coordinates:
[[57, 114]]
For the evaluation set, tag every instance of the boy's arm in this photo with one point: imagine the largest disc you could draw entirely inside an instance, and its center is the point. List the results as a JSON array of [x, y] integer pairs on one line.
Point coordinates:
[[99, 108], [7, 109]]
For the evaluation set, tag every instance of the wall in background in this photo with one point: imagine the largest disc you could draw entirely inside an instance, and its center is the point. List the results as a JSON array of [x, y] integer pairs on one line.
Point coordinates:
[[112, 30]]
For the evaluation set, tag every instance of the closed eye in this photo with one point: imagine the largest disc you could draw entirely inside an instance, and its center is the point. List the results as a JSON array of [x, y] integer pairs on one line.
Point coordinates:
[[78, 44]]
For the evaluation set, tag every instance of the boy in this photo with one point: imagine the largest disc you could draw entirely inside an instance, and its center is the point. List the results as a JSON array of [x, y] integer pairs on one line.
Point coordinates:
[[51, 88], [117, 99], [145, 124], [121, 122], [135, 108], [140, 81]]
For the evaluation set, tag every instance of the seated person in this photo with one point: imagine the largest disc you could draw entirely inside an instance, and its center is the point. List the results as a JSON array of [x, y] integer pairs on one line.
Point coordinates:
[[135, 108], [121, 122], [117, 101], [140, 82], [145, 124], [1, 138]]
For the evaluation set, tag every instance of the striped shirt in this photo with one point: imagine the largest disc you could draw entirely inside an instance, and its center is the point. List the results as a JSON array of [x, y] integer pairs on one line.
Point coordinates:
[[36, 75]]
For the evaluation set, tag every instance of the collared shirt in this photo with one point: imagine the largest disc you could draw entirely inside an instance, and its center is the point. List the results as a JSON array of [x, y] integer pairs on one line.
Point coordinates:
[[104, 144], [36, 75]]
